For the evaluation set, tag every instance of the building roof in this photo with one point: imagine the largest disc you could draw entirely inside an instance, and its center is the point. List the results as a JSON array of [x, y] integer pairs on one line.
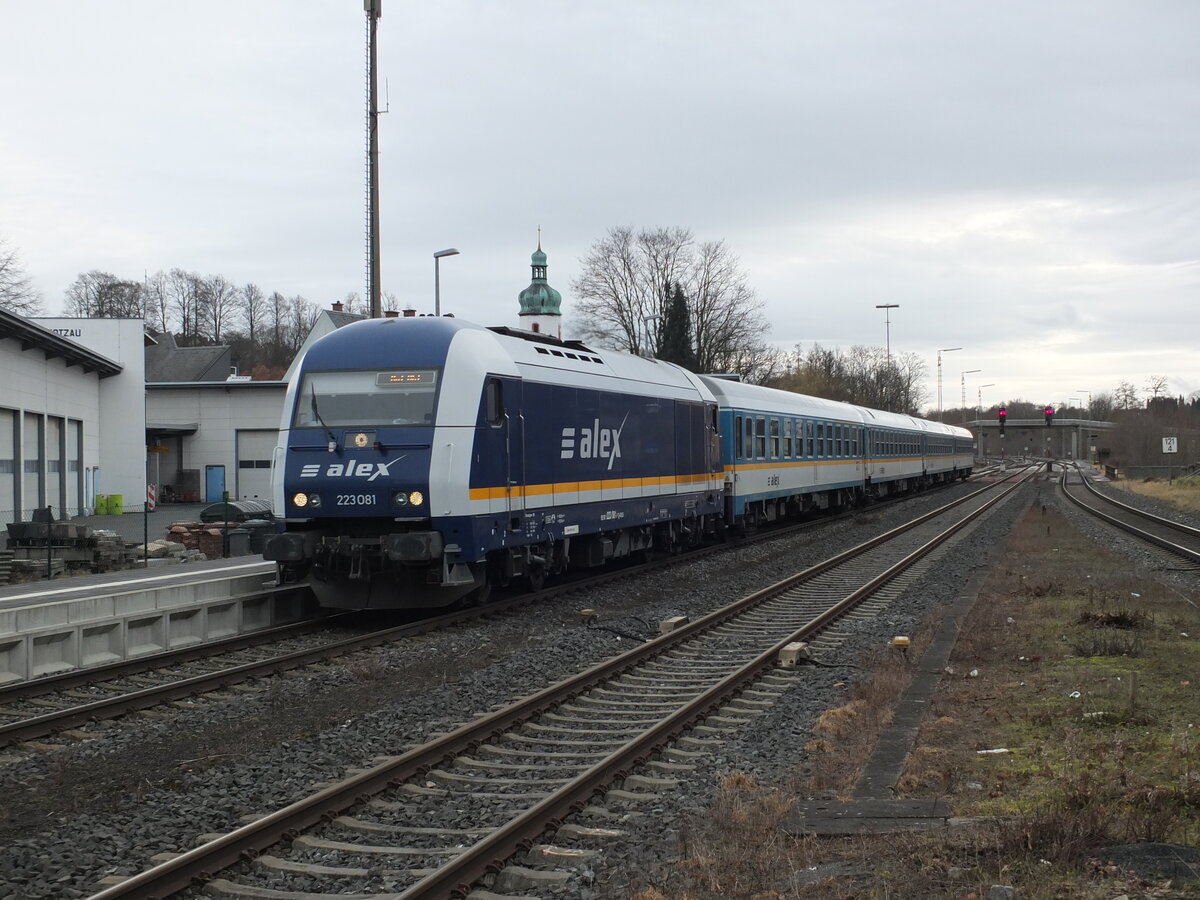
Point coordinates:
[[167, 361], [340, 318], [32, 336]]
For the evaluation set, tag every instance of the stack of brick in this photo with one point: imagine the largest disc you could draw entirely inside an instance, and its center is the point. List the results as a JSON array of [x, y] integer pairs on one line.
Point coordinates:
[[208, 538]]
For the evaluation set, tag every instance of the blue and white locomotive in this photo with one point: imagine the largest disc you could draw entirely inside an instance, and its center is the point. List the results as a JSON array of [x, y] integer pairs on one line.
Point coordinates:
[[423, 460]]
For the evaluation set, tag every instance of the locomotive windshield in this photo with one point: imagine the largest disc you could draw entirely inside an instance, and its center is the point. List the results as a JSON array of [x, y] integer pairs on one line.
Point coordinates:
[[366, 399]]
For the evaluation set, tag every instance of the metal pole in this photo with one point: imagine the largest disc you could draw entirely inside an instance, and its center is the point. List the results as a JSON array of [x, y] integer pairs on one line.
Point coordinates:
[[374, 10], [964, 391], [939, 368], [437, 277], [887, 319], [49, 541]]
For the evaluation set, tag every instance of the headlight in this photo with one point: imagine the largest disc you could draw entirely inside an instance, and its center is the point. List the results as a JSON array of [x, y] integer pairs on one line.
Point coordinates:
[[303, 500], [314, 500], [400, 498], [416, 498], [300, 500]]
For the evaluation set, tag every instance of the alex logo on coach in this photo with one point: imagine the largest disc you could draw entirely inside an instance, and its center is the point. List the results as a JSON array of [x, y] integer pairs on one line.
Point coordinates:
[[350, 469], [593, 442]]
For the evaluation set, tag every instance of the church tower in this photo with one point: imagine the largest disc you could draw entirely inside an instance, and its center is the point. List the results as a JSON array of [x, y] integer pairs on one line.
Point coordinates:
[[539, 302]]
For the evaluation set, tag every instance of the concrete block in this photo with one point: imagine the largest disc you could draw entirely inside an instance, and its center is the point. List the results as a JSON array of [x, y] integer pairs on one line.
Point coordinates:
[[666, 626], [793, 654]]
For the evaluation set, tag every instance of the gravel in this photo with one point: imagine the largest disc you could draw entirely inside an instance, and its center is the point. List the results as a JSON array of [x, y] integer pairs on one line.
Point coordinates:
[[146, 785], [1146, 559]]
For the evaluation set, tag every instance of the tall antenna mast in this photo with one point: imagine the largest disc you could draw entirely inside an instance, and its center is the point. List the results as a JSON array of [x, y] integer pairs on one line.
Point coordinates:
[[374, 9]]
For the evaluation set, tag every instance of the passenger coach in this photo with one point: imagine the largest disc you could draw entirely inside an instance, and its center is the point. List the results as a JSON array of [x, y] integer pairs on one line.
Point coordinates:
[[788, 453]]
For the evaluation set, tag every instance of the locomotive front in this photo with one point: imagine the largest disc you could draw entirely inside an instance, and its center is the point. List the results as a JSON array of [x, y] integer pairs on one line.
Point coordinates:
[[352, 470]]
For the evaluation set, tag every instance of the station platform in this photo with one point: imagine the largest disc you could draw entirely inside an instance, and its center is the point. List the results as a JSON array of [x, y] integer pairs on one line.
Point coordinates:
[[86, 620]]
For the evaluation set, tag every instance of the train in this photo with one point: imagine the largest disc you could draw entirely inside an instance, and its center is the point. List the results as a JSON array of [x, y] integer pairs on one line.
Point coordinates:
[[423, 461]]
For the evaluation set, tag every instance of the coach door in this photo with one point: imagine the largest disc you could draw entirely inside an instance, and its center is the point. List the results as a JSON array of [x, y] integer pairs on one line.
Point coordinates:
[[712, 451]]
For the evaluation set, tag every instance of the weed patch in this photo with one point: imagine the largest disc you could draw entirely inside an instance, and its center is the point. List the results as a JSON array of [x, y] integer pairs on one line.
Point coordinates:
[[1084, 701]]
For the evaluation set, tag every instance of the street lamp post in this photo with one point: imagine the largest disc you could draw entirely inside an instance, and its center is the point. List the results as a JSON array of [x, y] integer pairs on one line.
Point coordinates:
[[964, 391], [979, 399], [940, 352], [979, 418], [887, 320], [1089, 393], [437, 278]]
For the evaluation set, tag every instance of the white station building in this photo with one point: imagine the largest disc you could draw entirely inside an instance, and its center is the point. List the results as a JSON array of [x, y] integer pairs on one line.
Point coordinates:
[[71, 415]]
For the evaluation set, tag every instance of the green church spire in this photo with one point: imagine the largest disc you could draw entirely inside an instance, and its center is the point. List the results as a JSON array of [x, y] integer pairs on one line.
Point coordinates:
[[539, 299]]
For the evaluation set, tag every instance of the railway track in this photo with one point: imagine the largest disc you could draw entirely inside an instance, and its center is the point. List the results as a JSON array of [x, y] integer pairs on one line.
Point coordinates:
[[437, 818], [1181, 541], [38, 709]]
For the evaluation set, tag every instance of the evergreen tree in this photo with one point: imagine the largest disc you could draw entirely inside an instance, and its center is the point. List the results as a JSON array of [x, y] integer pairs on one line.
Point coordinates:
[[676, 332]]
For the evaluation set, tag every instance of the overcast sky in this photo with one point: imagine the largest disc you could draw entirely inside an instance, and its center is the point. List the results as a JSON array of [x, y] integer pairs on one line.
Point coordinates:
[[1020, 177]]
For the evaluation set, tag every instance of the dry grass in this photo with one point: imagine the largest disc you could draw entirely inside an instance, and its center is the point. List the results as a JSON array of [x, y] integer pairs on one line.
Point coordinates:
[[1183, 493], [1085, 679]]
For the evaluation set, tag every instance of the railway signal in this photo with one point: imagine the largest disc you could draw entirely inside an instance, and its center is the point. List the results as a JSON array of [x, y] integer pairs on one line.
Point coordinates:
[[1002, 415], [1049, 414]]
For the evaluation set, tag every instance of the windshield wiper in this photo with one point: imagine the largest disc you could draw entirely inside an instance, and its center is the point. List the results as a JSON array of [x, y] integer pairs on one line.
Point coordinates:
[[317, 415]]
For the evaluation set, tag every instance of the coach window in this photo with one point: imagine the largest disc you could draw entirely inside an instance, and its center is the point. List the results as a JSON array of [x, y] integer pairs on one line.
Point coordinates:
[[837, 449], [787, 438], [774, 439], [760, 438], [738, 442]]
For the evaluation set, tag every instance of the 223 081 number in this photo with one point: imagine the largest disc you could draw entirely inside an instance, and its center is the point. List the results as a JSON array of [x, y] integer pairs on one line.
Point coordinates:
[[355, 500]]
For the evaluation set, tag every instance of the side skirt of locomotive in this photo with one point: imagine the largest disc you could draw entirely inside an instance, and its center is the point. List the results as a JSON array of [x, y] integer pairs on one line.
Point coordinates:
[[428, 568]]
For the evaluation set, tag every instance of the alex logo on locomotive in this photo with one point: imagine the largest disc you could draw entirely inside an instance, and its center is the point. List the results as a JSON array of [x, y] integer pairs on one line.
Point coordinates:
[[350, 469], [593, 442]]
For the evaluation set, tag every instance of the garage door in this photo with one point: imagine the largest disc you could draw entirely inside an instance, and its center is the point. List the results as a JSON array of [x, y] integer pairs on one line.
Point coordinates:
[[254, 451]]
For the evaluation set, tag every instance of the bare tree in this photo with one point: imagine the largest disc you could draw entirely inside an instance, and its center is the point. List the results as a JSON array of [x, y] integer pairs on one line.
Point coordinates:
[[101, 295], [158, 302], [302, 315], [627, 282], [1155, 385], [726, 316], [254, 311], [277, 307], [1125, 396], [1102, 406], [17, 293], [219, 296], [185, 290], [622, 286], [865, 376]]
